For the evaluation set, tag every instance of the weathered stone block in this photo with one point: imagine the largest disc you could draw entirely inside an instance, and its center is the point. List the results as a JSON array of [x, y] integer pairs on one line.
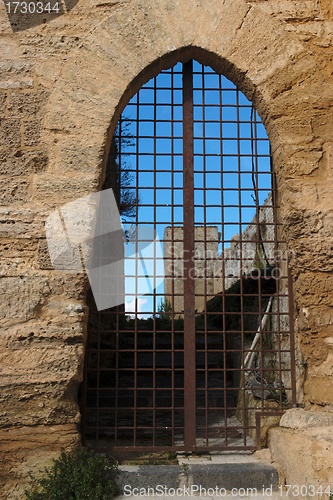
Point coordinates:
[[72, 286], [303, 160], [313, 288], [254, 47], [17, 256], [26, 104], [21, 298], [44, 261], [47, 70], [10, 134], [16, 191], [320, 248], [318, 386], [46, 330], [9, 47], [12, 248], [304, 438], [77, 157], [3, 103], [58, 190], [290, 9], [37, 403], [76, 111], [20, 223], [17, 266], [21, 162], [318, 389], [31, 133], [16, 75], [329, 155], [30, 449], [48, 44]]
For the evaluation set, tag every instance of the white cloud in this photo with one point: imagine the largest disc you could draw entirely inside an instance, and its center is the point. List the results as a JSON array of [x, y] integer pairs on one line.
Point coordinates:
[[135, 305]]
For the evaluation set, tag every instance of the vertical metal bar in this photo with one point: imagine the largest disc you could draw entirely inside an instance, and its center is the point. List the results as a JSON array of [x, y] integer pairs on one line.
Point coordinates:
[[154, 423], [292, 337], [172, 346], [135, 333], [189, 284], [242, 265], [117, 375], [83, 404], [223, 268], [98, 377], [203, 244], [279, 284], [172, 244]]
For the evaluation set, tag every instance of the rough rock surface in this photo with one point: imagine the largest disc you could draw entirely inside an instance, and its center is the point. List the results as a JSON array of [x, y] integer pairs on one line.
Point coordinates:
[[308, 436], [62, 87]]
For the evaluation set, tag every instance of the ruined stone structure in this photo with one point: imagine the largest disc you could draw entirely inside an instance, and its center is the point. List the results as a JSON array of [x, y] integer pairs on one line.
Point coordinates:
[[205, 259], [241, 257], [214, 272], [63, 85]]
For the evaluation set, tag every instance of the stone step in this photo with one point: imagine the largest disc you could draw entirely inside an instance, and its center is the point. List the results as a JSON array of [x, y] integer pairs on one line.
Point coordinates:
[[204, 480]]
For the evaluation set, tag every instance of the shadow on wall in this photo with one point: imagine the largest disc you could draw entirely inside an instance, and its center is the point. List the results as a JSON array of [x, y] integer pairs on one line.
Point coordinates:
[[26, 15], [237, 312]]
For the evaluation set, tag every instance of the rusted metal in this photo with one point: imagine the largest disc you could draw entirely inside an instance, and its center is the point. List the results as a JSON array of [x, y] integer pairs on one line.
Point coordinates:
[[292, 338], [189, 283], [198, 373]]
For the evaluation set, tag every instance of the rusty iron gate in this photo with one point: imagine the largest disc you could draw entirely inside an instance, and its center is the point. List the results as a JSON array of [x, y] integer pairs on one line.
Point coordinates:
[[195, 362]]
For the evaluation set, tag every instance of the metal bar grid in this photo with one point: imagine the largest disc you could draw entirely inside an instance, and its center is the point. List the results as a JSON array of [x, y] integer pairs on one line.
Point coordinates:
[[167, 370]]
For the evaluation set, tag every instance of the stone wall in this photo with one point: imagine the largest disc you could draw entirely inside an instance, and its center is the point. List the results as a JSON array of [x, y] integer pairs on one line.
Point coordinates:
[[63, 85]]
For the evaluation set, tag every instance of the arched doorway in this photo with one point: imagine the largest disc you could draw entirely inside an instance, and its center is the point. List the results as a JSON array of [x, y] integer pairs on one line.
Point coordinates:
[[203, 343]]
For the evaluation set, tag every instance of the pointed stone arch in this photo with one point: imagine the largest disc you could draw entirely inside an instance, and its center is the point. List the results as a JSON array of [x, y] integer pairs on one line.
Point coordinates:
[[132, 44]]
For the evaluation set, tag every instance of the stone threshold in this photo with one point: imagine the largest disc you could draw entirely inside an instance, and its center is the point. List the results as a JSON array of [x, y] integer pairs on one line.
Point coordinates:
[[221, 474]]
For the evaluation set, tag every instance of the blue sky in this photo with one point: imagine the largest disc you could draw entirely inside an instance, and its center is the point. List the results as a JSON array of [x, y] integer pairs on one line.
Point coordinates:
[[223, 154]]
